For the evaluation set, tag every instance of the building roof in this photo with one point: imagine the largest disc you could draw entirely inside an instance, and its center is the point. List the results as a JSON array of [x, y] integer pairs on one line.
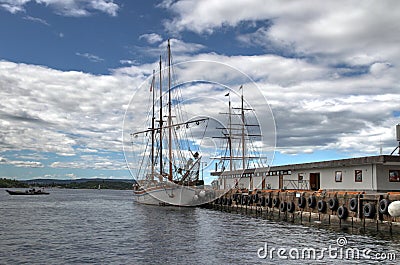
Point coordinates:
[[381, 159], [367, 160]]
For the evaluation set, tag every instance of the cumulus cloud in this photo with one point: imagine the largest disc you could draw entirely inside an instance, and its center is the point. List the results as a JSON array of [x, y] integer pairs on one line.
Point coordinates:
[[316, 106], [74, 8], [108, 7], [379, 68], [21, 163], [37, 20], [329, 70], [70, 176], [180, 48], [33, 164], [91, 162], [127, 62], [59, 111], [151, 38], [90, 57], [13, 6], [338, 30]]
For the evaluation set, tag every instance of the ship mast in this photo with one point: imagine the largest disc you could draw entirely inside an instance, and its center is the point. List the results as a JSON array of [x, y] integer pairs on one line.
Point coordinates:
[[161, 127], [243, 131], [169, 115], [230, 134], [237, 131], [152, 128], [161, 124]]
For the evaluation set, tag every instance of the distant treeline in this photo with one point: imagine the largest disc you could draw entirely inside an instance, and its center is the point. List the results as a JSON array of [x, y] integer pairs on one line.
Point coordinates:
[[78, 184], [95, 184], [11, 183]]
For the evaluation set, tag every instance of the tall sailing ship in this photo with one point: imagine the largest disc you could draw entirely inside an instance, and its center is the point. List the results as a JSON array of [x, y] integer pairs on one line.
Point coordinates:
[[241, 157], [168, 173]]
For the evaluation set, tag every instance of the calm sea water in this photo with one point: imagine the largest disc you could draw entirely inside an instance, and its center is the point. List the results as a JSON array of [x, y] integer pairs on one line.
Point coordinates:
[[106, 227]]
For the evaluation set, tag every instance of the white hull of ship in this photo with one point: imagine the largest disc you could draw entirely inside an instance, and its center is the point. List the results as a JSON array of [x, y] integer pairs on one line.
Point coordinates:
[[179, 196]]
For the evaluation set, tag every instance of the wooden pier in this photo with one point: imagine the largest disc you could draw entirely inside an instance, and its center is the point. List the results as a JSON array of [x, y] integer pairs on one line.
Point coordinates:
[[337, 208]]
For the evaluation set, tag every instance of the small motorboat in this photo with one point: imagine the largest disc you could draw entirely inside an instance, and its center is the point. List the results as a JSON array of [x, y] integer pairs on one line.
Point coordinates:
[[27, 192]]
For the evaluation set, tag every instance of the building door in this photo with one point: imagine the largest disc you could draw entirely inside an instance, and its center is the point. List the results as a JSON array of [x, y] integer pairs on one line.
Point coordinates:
[[280, 181], [314, 181]]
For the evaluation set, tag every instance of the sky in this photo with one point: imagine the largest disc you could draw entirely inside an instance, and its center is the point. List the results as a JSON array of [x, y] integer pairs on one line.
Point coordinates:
[[327, 70]]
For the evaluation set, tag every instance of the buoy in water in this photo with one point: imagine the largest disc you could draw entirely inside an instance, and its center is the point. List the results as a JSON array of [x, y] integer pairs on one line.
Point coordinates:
[[394, 209]]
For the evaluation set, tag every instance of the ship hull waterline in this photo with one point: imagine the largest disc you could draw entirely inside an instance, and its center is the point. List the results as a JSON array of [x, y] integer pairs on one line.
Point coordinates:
[[176, 196]]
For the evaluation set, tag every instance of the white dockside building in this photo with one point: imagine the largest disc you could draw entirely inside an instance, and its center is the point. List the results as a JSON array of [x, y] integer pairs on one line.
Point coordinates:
[[372, 173]]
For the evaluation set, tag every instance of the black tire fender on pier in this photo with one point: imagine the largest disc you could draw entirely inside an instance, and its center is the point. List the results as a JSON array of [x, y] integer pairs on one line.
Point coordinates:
[[283, 206], [244, 199], [321, 205], [255, 198], [250, 200], [342, 212], [301, 202], [384, 206], [262, 201], [238, 199], [275, 202], [291, 207], [369, 210], [268, 202], [353, 204], [333, 204], [312, 201]]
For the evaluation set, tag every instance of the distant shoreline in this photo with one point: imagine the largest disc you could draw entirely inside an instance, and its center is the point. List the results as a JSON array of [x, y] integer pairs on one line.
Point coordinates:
[[116, 184]]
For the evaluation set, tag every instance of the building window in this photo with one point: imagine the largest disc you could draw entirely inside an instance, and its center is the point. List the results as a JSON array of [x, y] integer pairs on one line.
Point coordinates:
[[394, 176], [358, 175], [338, 176], [301, 176]]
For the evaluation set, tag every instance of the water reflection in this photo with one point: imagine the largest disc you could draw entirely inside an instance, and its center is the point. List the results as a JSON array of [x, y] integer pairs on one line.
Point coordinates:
[[106, 227]]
